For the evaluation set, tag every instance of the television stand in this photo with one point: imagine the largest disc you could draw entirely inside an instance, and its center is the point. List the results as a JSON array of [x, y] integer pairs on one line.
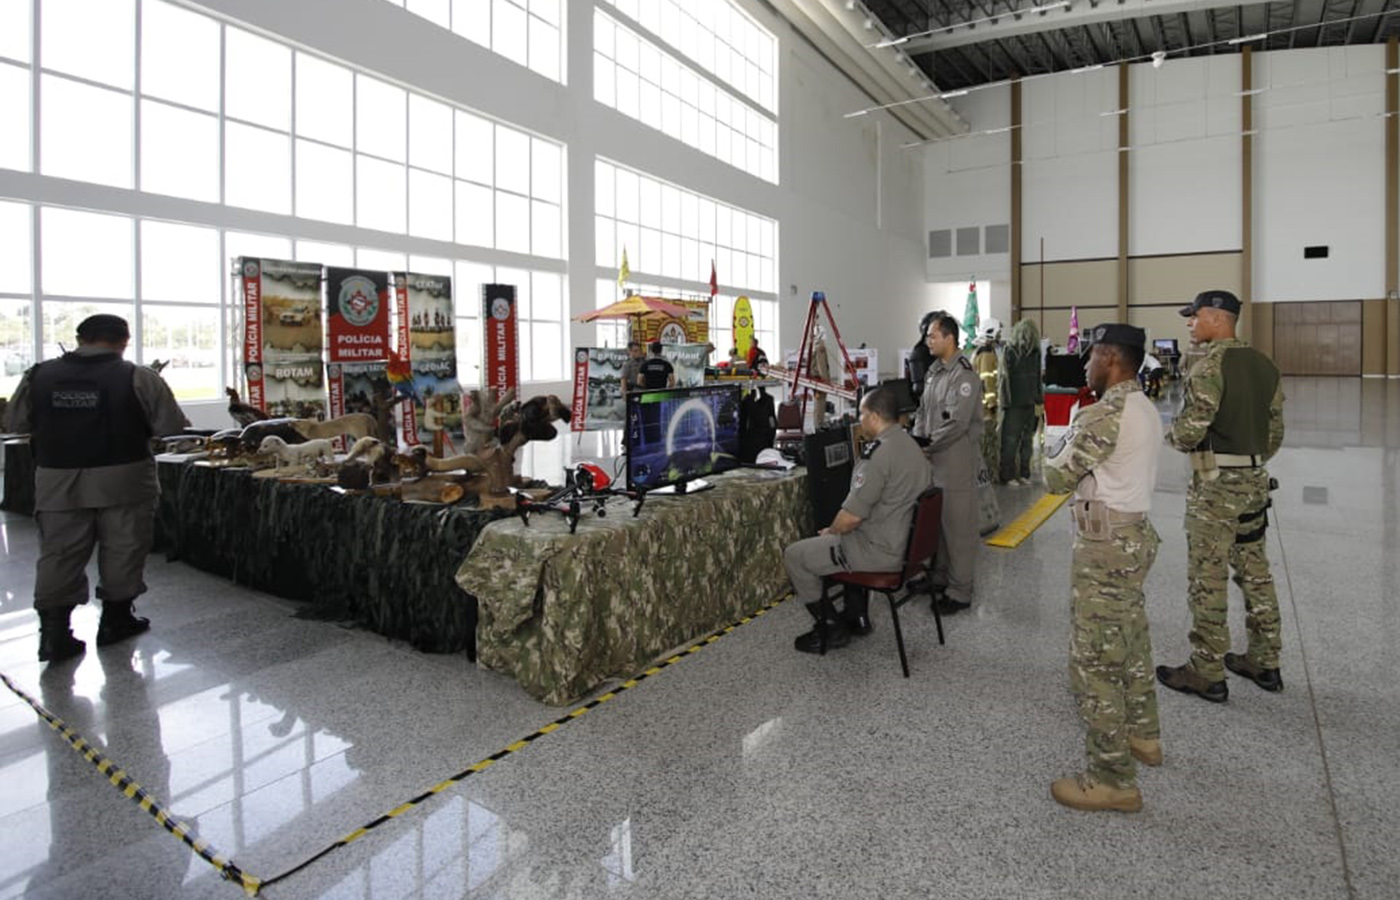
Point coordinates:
[[693, 486]]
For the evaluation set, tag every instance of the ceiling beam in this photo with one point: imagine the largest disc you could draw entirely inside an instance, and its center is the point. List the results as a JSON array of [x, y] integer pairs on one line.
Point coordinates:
[[1027, 21]]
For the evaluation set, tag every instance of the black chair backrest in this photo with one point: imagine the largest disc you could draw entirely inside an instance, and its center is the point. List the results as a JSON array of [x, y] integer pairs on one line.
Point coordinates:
[[923, 531]]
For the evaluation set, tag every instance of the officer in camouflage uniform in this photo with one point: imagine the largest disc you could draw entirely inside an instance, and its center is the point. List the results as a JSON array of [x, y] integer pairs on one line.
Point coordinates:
[[1231, 423], [949, 422], [870, 532], [1109, 459]]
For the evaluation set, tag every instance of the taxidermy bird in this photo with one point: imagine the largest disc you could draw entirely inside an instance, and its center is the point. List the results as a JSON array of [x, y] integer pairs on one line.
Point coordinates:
[[400, 375], [157, 365], [242, 413]]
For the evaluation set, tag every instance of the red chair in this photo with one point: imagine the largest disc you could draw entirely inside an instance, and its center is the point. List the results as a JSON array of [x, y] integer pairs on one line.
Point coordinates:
[[918, 560]]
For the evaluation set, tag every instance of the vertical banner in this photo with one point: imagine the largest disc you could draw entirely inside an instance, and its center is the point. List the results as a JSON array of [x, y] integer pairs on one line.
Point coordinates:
[[399, 372], [251, 272], [502, 368], [357, 306], [598, 401], [282, 336], [580, 404], [427, 372]]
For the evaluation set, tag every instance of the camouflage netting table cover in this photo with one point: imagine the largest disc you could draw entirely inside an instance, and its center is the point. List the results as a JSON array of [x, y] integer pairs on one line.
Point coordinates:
[[381, 563], [561, 613]]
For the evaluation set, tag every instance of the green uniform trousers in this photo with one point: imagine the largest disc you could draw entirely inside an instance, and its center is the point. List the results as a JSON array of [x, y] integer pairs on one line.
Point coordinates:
[[1225, 520], [1110, 665]]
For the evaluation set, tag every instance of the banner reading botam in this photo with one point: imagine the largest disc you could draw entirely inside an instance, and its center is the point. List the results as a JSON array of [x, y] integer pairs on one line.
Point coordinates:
[[358, 305], [281, 317], [502, 358]]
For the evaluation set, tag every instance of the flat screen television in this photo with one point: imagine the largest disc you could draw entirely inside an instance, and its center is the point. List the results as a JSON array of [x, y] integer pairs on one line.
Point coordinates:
[[903, 395], [1166, 347], [676, 436]]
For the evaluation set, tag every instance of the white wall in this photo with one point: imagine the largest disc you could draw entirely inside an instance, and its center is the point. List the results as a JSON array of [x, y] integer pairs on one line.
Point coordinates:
[[969, 185], [1320, 174], [1184, 181], [1069, 187], [1318, 167]]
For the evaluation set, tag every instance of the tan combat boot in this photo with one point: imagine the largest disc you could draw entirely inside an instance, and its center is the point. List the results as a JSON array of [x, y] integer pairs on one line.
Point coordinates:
[[1147, 751], [1082, 792]]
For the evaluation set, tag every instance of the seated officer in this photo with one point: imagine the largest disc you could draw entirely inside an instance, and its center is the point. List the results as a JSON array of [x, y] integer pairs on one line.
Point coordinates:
[[871, 530]]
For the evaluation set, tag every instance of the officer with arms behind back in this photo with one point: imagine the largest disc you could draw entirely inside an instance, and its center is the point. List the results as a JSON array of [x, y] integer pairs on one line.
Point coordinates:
[[1231, 423], [1109, 459], [870, 532], [950, 423], [91, 415]]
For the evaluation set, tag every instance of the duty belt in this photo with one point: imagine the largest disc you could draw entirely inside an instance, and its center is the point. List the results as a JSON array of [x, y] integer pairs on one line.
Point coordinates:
[[1235, 461]]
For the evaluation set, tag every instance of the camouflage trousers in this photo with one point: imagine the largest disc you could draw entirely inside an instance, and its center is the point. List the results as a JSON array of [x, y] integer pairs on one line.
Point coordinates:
[[1110, 652], [1225, 521], [991, 444]]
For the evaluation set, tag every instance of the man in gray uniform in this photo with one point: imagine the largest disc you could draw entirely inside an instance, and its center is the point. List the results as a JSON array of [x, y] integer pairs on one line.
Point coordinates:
[[91, 415], [870, 532], [949, 424]]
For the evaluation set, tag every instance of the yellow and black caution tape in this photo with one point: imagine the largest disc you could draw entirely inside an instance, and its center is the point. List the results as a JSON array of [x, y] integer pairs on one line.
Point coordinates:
[[1027, 522], [124, 783], [526, 741]]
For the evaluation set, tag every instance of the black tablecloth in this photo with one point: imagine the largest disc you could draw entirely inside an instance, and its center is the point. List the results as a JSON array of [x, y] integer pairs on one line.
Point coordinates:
[[381, 563]]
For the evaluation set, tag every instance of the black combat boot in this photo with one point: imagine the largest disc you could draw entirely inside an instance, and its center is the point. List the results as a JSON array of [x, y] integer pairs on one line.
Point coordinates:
[[829, 634], [1268, 679], [1185, 679], [56, 641], [118, 623]]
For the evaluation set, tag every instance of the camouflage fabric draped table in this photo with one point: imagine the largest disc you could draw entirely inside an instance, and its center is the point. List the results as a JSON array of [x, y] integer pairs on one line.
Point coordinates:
[[385, 565], [561, 613]]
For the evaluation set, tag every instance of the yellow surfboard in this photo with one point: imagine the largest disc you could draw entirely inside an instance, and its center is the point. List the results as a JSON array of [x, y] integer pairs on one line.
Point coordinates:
[[743, 326]]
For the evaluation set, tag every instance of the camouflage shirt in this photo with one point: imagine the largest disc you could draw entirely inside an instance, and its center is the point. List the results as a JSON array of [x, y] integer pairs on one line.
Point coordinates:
[[1205, 388], [1117, 441]]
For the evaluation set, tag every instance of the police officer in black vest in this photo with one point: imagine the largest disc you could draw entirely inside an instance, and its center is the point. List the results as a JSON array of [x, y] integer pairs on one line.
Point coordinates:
[[91, 415], [656, 372]]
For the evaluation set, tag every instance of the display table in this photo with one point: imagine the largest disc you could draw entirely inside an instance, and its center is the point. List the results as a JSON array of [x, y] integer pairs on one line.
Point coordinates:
[[384, 564], [560, 613]]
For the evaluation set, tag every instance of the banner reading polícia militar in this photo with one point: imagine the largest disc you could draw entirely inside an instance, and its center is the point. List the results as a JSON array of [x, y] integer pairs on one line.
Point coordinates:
[[502, 364], [598, 401], [426, 334], [281, 317], [357, 304]]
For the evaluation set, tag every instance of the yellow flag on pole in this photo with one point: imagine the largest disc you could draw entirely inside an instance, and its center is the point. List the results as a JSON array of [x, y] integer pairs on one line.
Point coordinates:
[[623, 271]]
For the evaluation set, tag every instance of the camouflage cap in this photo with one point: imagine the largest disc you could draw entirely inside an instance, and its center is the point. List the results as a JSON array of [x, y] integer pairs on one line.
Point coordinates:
[[1117, 334], [1214, 299]]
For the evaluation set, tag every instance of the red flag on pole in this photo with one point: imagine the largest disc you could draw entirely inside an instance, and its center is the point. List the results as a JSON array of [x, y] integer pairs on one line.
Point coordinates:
[[714, 280]]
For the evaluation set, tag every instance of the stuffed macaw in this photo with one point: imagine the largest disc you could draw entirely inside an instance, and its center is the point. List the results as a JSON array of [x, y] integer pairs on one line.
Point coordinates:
[[400, 375]]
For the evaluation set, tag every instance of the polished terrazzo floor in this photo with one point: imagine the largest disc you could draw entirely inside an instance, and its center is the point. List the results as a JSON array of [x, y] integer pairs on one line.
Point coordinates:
[[747, 769]]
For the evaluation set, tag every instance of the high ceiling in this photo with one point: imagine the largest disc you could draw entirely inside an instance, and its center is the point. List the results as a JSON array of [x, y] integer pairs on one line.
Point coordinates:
[[962, 43]]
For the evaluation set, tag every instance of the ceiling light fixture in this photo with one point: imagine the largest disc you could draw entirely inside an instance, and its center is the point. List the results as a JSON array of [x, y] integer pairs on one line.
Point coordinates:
[[1158, 57], [1249, 37]]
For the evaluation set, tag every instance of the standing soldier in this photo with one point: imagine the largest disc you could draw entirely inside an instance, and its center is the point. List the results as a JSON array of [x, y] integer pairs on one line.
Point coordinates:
[[1231, 423], [1109, 459], [949, 422], [92, 415]]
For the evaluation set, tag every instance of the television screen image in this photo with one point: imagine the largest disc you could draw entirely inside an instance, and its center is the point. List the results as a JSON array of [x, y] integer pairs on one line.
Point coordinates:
[[679, 435]]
